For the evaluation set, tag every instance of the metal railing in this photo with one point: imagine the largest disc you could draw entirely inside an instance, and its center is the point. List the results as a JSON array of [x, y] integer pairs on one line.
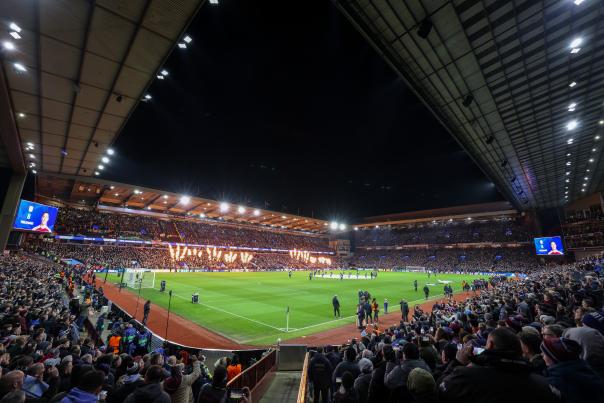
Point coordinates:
[[252, 376], [303, 389]]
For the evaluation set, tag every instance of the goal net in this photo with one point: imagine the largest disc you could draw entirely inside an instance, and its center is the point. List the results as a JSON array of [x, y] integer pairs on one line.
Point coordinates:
[[143, 278]]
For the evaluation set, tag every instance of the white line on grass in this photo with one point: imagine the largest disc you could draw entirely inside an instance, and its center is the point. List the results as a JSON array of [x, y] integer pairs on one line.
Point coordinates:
[[229, 313]]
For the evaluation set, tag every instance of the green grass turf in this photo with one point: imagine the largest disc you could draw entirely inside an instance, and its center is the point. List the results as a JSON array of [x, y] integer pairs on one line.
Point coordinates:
[[250, 307]]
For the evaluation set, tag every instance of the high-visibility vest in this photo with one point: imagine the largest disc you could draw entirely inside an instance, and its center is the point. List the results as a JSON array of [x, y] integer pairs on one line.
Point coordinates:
[[114, 343]]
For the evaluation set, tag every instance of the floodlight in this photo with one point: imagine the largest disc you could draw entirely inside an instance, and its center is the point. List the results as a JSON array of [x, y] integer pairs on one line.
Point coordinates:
[[185, 199]]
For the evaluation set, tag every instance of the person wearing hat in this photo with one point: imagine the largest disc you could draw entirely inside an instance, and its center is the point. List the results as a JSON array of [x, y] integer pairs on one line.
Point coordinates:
[[568, 373], [421, 386], [361, 384], [589, 337], [127, 383], [492, 372]]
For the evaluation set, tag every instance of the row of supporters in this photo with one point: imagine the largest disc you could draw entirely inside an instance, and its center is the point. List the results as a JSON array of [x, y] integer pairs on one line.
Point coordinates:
[[111, 225], [467, 231], [539, 339]]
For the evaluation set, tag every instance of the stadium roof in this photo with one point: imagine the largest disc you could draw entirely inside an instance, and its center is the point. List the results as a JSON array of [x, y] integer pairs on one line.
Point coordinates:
[[473, 211], [519, 84], [87, 191], [75, 71]]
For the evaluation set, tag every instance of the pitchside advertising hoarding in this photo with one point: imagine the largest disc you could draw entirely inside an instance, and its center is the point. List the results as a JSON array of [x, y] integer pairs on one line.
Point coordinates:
[[551, 245], [35, 217]]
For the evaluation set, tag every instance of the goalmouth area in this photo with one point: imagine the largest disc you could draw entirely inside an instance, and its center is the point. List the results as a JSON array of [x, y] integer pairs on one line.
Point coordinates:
[[250, 308]]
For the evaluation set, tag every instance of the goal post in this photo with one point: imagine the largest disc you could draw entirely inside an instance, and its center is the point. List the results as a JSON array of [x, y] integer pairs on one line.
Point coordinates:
[[143, 278]]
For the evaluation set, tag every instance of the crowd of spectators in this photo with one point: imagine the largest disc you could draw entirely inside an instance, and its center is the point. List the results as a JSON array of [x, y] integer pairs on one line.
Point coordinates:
[[47, 356], [72, 221], [444, 233], [521, 259], [159, 258], [540, 339]]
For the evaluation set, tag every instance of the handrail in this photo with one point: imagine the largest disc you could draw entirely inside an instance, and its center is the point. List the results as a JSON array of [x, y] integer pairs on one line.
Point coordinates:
[[303, 380], [252, 376]]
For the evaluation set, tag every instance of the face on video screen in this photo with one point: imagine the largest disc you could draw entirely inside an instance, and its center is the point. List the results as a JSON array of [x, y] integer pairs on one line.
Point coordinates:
[[35, 217], [549, 246]]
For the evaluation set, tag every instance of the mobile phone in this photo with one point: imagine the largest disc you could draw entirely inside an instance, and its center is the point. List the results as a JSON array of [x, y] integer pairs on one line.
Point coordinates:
[[236, 394], [459, 346], [338, 380], [478, 350]]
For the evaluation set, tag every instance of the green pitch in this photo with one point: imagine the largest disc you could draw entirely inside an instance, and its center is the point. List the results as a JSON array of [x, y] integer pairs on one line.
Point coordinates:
[[250, 308]]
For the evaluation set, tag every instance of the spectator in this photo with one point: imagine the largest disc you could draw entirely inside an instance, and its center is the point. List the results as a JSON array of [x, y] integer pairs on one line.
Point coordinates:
[[568, 373], [492, 373], [346, 392], [150, 391], [234, 368], [348, 365], [178, 385], [530, 343], [361, 384], [398, 372], [88, 390], [421, 386], [319, 374]]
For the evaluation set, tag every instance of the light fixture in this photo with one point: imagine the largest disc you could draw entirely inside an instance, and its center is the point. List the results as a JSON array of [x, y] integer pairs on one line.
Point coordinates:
[[568, 180], [30, 144], [570, 141], [165, 196], [187, 38], [116, 194], [574, 45], [572, 106], [213, 1], [136, 191], [147, 96], [578, 2], [568, 163], [110, 151], [111, 187], [572, 84], [185, 199], [567, 173], [568, 154], [597, 137], [587, 170], [8, 45], [97, 173], [284, 217], [241, 209], [105, 160], [160, 77], [182, 45], [224, 207], [148, 207], [15, 35], [377, 226], [601, 122], [14, 27], [33, 171], [342, 227], [566, 192], [593, 150], [32, 156], [164, 72], [19, 67], [591, 160], [333, 225], [256, 212], [101, 167], [202, 215], [583, 190], [585, 178], [571, 125]]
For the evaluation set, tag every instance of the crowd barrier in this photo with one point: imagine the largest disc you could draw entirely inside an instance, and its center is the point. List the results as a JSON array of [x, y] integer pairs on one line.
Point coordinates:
[[303, 389], [255, 377]]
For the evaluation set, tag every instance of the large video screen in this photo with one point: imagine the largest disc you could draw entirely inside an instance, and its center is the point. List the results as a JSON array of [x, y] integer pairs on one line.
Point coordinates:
[[35, 217], [549, 246]]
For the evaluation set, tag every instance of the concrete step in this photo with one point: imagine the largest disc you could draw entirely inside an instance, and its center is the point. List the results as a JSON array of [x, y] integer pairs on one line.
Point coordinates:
[[283, 388]]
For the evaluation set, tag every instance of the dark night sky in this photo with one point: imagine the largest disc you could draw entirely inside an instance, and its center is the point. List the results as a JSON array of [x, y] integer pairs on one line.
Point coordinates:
[[290, 106]]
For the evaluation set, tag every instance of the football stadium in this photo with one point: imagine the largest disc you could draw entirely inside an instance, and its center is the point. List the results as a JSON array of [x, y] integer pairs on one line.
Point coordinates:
[[347, 201]]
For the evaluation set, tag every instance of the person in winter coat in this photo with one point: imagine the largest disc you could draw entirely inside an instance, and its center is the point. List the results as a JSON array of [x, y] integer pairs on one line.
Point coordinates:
[[89, 388], [348, 365], [567, 372], [319, 373], [396, 374], [346, 392], [361, 384], [378, 392], [489, 377], [178, 385], [150, 391]]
